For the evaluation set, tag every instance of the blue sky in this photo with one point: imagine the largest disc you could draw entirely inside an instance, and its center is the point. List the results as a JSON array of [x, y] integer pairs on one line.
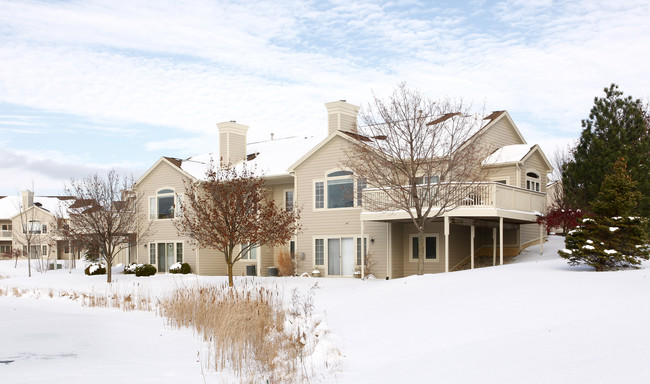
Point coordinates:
[[86, 86]]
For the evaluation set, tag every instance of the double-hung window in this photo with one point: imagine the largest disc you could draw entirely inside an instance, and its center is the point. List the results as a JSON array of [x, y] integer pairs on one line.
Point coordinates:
[[250, 253], [319, 250], [288, 200]]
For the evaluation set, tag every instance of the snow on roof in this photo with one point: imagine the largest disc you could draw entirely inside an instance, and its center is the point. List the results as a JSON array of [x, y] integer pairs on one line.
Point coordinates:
[[508, 154], [274, 157], [10, 205], [270, 157]]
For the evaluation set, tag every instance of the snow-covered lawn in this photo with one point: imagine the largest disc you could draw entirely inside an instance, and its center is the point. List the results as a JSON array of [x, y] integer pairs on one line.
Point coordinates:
[[537, 320]]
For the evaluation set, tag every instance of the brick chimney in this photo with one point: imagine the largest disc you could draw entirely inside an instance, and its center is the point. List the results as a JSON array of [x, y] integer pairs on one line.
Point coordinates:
[[27, 199], [232, 142], [341, 115]]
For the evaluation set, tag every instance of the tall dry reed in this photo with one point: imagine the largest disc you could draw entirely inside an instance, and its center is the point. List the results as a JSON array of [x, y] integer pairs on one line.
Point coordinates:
[[249, 329]]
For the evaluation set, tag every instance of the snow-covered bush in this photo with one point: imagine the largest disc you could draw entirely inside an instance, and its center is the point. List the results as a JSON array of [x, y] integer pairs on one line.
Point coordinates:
[[130, 269], [183, 268], [95, 269], [145, 270]]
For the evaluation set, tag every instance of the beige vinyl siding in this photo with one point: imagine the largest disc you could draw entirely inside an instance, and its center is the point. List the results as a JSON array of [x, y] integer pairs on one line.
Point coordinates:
[[237, 147], [397, 249], [223, 145], [377, 251], [535, 163], [348, 123], [323, 223], [529, 234], [47, 239], [411, 266], [508, 172], [500, 134], [163, 230]]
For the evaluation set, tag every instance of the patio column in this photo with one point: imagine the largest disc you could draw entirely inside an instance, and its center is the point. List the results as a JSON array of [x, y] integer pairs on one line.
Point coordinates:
[[541, 239], [472, 245], [501, 240], [363, 252], [446, 243], [494, 246]]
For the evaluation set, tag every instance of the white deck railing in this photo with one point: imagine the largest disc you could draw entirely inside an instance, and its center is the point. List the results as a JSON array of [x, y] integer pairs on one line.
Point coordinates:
[[467, 195]]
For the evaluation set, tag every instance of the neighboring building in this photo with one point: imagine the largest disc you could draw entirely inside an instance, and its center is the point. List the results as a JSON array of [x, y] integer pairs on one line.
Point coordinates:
[[32, 218], [306, 172]]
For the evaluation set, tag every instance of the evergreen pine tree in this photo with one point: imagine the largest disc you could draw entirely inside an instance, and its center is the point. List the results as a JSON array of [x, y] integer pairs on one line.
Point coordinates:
[[614, 238], [617, 127]]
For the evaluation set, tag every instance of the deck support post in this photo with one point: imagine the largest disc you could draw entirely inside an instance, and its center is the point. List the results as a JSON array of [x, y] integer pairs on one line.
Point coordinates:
[[472, 245], [494, 246], [541, 239], [501, 240], [446, 243]]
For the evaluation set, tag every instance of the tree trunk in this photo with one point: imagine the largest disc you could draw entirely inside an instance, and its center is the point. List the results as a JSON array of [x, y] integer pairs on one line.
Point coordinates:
[[29, 260], [230, 282], [421, 245], [108, 272]]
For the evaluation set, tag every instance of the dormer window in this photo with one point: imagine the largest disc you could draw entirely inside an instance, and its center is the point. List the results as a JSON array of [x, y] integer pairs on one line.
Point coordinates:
[[532, 181]]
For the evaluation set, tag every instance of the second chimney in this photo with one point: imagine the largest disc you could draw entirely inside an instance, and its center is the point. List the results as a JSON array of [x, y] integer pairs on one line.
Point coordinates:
[[232, 142], [341, 115]]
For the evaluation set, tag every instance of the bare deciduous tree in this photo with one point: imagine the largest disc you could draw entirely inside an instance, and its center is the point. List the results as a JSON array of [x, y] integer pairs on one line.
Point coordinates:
[[104, 216], [231, 210], [421, 155], [31, 233]]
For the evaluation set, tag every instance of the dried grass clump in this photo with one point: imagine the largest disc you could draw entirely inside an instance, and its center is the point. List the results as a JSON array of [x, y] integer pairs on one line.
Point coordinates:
[[286, 264], [250, 330], [113, 298]]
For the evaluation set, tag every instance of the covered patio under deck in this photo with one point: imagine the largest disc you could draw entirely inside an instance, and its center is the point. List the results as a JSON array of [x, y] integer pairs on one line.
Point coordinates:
[[461, 232]]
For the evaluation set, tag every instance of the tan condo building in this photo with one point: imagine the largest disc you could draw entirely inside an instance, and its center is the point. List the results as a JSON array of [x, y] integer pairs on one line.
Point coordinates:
[[339, 231]]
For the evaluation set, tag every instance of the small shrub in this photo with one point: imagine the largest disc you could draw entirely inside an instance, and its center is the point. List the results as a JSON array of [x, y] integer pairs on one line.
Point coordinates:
[[130, 269], [95, 269], [183, 268], [145, 270]]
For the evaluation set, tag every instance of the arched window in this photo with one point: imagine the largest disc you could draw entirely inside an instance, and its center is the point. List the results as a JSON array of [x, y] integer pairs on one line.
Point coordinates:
[[338, 191], [164, 204], [532, 181]]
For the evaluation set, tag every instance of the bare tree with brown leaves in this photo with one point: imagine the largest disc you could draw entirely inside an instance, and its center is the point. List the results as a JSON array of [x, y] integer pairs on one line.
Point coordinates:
[[417, 155], [104, 216], [231, 211]]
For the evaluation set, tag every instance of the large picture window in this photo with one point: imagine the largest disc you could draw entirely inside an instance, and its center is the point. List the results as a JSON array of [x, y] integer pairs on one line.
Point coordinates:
[[165, 205], [338, 191]]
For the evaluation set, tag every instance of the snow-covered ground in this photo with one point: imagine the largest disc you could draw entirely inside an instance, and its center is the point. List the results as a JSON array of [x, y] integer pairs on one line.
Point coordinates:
[[537, 320]]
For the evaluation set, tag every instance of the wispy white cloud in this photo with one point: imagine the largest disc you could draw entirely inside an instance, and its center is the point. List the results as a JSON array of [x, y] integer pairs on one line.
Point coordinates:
[[186, 65]]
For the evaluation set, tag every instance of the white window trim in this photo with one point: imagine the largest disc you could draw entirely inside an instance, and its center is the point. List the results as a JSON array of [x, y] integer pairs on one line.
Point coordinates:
[[293, 195], [410, 248], [155, 196], [155, 248], [538, 181], [257, 255], [324, 180], [325, 239]]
